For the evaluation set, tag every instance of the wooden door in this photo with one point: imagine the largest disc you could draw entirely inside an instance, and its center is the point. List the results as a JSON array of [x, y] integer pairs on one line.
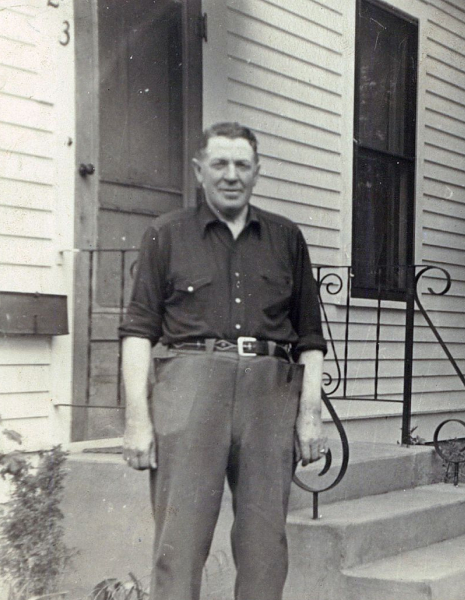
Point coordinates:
[[139, 121]]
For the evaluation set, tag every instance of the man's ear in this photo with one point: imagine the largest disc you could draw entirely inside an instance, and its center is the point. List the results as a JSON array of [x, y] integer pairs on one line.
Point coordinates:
[[197, 166], [257, 173]]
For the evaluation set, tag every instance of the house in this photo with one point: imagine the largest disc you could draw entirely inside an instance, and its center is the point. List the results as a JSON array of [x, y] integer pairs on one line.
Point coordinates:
[[359, 107]]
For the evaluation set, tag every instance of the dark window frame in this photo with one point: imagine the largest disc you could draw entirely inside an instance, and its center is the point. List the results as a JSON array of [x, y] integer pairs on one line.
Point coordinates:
[[406, 163]]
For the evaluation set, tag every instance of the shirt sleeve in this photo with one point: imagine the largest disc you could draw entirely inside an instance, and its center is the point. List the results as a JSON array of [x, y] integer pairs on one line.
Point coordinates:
[[305, 311], [145, 311]]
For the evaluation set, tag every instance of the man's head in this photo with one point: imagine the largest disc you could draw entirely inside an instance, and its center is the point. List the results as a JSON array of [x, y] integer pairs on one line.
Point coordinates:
[[227, 168]]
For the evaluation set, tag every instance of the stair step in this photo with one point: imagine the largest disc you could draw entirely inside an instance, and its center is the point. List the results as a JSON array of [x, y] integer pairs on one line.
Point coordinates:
[[433, 573], [356, 532], [378, 526]]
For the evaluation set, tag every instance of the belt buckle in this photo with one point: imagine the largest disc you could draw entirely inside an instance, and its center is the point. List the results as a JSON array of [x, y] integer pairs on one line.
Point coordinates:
[[243, 341]]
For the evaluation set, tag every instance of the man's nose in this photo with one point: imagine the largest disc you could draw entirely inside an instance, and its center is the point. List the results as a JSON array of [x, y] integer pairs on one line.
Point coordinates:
[[231, 172]]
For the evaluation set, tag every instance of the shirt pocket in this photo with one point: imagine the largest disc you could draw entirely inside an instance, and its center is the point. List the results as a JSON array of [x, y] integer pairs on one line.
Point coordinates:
[[276, 293], [189, 292]]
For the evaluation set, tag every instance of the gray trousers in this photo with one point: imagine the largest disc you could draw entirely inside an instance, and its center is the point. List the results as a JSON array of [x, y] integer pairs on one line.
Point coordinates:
[[217, 415]]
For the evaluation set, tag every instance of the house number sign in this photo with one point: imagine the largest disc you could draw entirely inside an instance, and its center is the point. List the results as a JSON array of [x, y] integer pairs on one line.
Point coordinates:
[[65, 32]]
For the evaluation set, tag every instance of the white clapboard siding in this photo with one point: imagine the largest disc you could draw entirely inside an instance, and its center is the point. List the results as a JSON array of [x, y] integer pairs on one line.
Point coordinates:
[[17, 379], [35, 432], [285, 18], [18, 277], [253, 23], [294, 151], [451, 8], [445, 156], [26, 194], [279, 189], [17, 82], [28, 203], [326, 73], [26, 112], [25, 405], [302, 214], [21, 139], [24, 222], [443, 204], [18, 350], [290, 128], [443, 190], [277, 102], [24, 251], [361, 332], [22, 56], [444, 222], [301, 174], [322, 15], [276, 60]]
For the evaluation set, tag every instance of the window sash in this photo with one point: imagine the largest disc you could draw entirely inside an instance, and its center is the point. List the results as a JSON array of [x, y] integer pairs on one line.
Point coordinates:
[[384, 157]]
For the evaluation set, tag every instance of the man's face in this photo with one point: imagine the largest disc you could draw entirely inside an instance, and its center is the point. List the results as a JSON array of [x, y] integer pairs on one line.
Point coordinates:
[[228, 172]]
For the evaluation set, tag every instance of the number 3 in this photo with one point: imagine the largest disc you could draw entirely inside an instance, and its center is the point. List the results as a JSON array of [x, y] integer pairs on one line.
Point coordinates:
[[66, 34]]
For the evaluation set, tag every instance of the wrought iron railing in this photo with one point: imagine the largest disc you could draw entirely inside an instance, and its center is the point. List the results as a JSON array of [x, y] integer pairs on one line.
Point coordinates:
[[335, 292]]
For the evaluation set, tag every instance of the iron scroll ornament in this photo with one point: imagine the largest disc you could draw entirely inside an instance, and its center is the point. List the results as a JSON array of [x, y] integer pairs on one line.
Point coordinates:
[[333, 284], [427, 318], [328, 459], [454, 458]]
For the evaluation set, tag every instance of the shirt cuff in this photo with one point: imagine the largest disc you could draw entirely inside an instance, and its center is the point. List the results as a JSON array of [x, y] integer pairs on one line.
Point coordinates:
[[313, 341], [139, 322]]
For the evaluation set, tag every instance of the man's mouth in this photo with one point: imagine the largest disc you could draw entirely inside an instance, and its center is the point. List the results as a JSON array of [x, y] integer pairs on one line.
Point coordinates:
[[231, 193]]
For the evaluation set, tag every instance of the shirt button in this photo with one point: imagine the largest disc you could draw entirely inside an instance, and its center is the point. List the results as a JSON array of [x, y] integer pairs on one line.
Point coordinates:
[[238, 300], [236, 274], [190, 289], [237, 326]]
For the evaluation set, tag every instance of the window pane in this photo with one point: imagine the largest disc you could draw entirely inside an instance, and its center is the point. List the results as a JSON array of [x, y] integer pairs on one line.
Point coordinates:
[[381, 214], [386, 79]]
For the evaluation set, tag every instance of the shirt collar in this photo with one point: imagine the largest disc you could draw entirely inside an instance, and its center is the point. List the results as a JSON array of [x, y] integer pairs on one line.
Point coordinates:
[[206, 217]]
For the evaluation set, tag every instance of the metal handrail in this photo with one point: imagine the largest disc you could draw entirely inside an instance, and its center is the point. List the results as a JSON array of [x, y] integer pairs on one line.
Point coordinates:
[[328, 462]]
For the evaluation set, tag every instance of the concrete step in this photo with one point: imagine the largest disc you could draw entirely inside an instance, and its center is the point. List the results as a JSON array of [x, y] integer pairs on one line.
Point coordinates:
[[359, 531], [373, 469], [374, 422], [108, 515], [433, 573]]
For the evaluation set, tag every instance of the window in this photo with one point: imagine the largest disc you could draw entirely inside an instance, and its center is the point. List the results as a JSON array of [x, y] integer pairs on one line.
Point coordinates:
[[384, 151]]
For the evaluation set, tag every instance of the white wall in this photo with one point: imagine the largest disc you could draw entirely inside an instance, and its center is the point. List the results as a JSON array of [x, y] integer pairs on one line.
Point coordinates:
[[36, 203]]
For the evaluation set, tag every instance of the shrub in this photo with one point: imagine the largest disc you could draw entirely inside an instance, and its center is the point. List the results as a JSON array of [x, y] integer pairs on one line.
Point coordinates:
[[33, 555]]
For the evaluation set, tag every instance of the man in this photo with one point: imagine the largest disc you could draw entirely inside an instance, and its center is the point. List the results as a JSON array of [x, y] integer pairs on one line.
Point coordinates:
[[228, 290]]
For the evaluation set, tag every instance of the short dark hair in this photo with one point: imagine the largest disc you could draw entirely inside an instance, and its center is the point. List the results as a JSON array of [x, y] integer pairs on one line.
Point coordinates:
[[232, 130]]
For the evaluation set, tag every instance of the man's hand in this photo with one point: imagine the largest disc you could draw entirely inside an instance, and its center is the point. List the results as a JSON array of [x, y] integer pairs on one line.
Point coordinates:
[[139, 439], [310, 444], [139, 448]]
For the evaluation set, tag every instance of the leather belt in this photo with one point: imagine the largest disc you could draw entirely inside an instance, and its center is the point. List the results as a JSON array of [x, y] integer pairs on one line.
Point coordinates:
[[244, 346]]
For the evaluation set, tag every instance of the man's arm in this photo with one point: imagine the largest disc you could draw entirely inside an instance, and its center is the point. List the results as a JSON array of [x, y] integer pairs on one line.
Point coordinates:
[[308, 425], [139, 439]]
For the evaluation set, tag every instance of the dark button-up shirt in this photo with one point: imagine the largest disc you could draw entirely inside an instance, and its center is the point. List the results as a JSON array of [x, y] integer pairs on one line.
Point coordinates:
[[195, 281]]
